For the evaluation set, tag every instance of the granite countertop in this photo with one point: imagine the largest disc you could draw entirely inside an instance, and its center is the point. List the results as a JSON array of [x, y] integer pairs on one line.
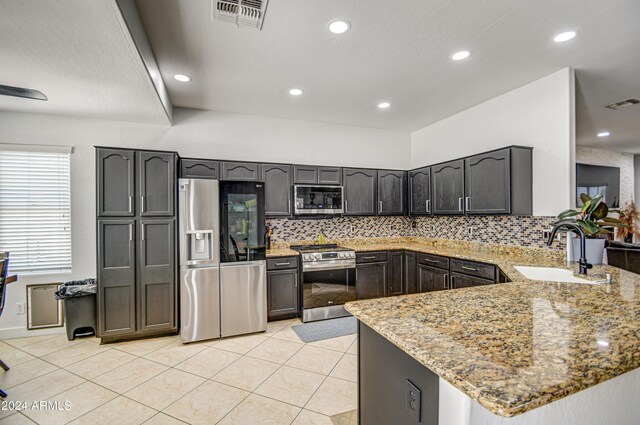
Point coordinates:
[[514, 346], [281, 251]]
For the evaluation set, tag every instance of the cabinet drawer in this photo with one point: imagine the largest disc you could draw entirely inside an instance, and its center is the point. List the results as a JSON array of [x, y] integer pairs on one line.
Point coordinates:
[[433, 261], [371, 257], [282, 263], [485, 271]]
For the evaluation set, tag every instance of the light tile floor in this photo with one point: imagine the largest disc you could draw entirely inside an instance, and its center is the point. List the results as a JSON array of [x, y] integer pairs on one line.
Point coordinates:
[[267, 378]]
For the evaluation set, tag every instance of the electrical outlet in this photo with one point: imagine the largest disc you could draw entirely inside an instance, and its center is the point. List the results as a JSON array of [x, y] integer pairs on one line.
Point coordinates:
[[414, 400], [470, 231], [414, 225], [351, 228], [433, 228], [19, 308], [391, 227]]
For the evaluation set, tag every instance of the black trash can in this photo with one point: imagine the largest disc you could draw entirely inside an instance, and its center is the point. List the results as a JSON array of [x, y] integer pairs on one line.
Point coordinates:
[[79, 298]]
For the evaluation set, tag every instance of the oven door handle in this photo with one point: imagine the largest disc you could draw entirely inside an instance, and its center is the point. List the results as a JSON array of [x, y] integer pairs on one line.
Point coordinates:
[[312, 268]]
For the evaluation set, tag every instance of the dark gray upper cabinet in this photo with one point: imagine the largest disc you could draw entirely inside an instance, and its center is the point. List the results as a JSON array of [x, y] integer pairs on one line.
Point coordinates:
[[116, 277], [330, 175], [247, 171], [311, 174], [360, 191], [448, 187], [395, 281], [199, 169], [157, 277], [499, 182], [115, 182], [277, 189], [392, 189], [420, 191], [157, 183]]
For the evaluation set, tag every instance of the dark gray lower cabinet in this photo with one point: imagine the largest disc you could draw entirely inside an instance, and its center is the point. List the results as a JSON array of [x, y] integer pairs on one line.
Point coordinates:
[[371, 280], [283, 292], [117, 277], [410, 282], [277, 189], [157, 280], [459, 280], [360, 191], [447, 192], [432, 279], [395, 284], [385, 374]]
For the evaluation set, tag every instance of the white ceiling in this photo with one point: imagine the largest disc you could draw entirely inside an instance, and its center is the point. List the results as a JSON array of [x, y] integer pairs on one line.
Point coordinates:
[[80, 55], [398, 51]]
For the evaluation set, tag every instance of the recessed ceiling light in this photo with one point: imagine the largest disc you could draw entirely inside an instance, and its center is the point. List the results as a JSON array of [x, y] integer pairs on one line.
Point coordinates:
[[458, 56], [564, 36], [295, 92], [604, 134], [182, 78], [383, 105], [339, 26]]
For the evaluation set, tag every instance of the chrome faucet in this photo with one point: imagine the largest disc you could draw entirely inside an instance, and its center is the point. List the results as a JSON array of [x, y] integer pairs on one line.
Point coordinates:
[[575, 228]]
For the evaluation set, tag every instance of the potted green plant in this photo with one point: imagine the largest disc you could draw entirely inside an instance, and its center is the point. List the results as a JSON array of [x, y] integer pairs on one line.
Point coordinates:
[[594, 220], [629, 217]]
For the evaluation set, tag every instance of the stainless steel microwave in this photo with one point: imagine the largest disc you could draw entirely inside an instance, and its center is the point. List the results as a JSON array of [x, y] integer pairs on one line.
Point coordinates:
[[310, 199]]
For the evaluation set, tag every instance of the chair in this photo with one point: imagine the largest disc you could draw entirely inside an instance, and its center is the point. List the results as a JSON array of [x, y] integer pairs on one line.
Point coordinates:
[[239, 256], [4, 270]]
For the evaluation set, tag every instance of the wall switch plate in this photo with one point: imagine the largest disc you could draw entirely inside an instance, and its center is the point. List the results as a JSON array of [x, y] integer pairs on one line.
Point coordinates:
[[414, 400], [19, 308], [470, 231], [351, 228], [433, 228]]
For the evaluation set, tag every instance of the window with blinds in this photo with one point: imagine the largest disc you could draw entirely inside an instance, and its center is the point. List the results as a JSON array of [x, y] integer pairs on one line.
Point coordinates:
[[35, 208]]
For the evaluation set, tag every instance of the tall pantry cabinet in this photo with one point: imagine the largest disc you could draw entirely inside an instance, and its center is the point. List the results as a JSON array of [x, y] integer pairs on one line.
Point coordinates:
[[136, 234]]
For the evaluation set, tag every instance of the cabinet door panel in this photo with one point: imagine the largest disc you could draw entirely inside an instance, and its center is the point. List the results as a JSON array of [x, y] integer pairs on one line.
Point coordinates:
[[282, 293], [396, 282], [371, 280], [463, 281], [410, 281], [432, 279], [157, 275], [360, 191], [330, 175], [116, 177], [157, 183], [305, 174], [277, 189], [116, 277], [448, 188], [199, 169], [488, 183], [241, 171], [391, 192], [420, 191]]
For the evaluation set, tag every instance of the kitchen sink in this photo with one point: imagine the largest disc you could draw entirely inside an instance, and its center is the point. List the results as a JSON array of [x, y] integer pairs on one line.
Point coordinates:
[[554, 274]]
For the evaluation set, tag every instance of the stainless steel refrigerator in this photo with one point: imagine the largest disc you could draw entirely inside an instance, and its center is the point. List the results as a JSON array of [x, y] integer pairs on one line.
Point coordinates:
[[223, 289]]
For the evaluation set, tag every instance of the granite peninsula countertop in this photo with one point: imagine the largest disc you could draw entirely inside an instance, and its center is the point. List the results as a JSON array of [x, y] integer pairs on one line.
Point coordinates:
[[513, 346]]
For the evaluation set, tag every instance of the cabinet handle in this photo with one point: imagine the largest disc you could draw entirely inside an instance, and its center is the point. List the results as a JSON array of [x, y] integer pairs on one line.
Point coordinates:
[[282, 264], [431, 261], [130, 203], [142, 203], [444, 278], [131, 232], [428, 205], [466, 203], [142, 232], [471, 269], [368, 258], [346, 205], [379, 206], [460, 204]]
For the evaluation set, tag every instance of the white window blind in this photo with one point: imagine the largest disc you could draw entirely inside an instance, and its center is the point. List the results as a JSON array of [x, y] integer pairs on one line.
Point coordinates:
[[35, 209]]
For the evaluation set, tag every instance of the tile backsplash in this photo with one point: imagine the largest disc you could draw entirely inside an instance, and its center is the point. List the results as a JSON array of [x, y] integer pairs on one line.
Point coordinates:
[[506, 230]]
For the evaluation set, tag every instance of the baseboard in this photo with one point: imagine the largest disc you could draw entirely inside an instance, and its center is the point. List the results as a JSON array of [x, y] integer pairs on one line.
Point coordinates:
[[21, 332]]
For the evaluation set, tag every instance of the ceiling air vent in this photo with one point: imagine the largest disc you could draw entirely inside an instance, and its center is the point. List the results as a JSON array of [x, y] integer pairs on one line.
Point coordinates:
[[623, 104], [243, 13]]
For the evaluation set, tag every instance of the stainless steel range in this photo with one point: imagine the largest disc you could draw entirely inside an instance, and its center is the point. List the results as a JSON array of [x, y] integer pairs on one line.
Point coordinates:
[[329, 281]]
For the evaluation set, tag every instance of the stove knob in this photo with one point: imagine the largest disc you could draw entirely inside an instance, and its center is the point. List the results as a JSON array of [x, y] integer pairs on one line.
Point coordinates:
[[342, 254], [352, 254], [306, 257], [318, 256]]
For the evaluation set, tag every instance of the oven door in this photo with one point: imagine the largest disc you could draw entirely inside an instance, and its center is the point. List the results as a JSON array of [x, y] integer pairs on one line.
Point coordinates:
[[326, 288]]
